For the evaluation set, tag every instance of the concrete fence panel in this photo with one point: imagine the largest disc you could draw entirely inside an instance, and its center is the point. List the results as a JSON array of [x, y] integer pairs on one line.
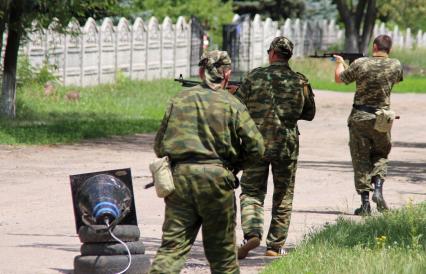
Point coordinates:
[[124, 46], [167, 48], [90, 48], [107, 53], [73, 55], [139, 50], [154, 50], [182, 47]]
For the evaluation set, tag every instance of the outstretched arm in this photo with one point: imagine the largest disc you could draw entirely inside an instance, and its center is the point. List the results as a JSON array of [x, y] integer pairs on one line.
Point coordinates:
[[340, 67]]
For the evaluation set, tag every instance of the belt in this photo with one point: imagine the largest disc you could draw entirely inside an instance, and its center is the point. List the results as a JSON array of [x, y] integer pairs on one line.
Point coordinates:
[[197, 161], [365, 108], [207, 162]]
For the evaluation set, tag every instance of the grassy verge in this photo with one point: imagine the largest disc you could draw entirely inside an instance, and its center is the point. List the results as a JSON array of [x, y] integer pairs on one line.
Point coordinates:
[[124, 108], [394, 242]]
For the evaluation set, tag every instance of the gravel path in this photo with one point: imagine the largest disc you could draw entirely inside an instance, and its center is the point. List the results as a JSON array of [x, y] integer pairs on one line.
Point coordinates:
[[37, 220]]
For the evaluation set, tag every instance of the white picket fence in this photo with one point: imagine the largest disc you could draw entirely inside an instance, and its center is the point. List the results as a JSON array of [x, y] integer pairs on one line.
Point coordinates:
[[402, 39], [140, 51], [256, 35]]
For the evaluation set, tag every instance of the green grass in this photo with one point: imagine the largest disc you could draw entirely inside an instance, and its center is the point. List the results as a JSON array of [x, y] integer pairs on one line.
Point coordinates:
[[394, 242], [124, 108], [415, 59]]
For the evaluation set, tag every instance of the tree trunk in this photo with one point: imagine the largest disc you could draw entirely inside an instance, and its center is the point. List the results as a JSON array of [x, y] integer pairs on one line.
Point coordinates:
[[3, 9], [368, 27], [355, 39], [351, 38], [2, 29], [8, 98]]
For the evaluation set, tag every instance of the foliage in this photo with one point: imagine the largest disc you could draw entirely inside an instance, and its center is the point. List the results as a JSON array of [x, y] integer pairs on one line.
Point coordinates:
[[27, 74], [212, 13], [320, 9], [405, 13], [378, 244], [275, 9], [21, 17], [43, 11]]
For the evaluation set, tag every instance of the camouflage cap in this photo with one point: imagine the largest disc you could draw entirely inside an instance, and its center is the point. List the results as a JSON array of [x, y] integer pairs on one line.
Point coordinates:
[[212, 61], [282, 45]]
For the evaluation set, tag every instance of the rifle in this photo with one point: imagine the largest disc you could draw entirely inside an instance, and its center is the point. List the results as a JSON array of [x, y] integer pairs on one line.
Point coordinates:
[[345, 55], [190, 83]]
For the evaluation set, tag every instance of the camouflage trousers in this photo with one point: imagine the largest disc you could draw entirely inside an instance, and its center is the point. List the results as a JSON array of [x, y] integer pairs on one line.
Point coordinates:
[[253, 190], [369, 151], [204, 197]]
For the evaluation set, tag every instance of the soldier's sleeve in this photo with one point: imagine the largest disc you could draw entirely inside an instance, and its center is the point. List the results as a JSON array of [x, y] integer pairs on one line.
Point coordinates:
[[158, 144], [251, 139], [243, 91], [309, 109], [401, 73], [350, 74]]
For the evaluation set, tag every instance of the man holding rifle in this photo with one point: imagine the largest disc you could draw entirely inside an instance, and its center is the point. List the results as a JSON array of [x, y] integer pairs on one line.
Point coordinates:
[[371, 118], [208, 135]]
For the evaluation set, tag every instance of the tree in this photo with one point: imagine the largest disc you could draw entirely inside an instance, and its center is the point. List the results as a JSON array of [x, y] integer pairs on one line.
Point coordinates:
[[17, 18], [359, 17], [212, 13], [320, 9], [404, 13], [275, 9], [3, 11]]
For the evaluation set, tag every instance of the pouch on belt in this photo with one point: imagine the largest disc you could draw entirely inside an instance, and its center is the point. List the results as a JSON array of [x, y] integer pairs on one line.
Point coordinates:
[[162, 176], [384, 120]]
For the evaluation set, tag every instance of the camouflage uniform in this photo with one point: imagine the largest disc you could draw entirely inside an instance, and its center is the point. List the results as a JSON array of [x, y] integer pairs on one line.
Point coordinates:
[[276, 98], [374, 77], [206, 133]]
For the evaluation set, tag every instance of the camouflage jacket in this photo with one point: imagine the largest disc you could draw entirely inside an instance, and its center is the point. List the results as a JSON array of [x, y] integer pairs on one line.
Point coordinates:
[[277, 98], [374, 77], [203, 124]]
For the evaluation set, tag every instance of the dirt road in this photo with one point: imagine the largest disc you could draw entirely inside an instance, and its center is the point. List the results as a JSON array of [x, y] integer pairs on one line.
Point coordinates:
[[36, 215]]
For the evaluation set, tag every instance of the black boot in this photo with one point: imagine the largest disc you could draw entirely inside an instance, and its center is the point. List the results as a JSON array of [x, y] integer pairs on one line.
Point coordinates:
[[365, 208], [378, 194]]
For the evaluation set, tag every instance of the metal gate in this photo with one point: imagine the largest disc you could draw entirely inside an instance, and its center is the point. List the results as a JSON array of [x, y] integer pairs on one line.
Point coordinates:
[[197, 33], [233, 43]]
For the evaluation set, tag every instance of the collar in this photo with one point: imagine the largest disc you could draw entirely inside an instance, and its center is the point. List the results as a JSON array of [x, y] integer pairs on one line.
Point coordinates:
[[380, 54], [280, 63], [211, 86]]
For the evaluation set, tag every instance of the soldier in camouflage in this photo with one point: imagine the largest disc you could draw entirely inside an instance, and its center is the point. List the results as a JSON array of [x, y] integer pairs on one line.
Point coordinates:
[[374, 77], [208, 135], [276, 97]]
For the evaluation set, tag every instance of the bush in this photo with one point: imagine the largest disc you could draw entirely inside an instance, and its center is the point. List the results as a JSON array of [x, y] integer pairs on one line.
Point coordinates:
[[28, 74]]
